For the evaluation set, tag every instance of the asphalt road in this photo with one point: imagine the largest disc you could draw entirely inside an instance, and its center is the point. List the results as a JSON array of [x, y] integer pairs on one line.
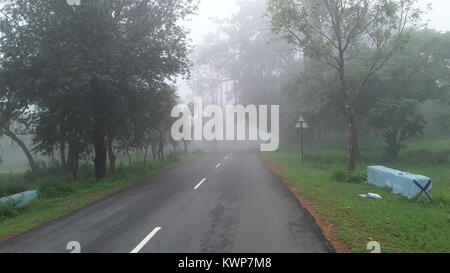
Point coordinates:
[[221, 203]]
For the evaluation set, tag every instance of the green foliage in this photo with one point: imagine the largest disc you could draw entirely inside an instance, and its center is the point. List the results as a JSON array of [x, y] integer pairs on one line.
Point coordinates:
[[399, 120], [353, 38], [54, 187], [12, 183], [96, 75], [41, 169], [8, 210]]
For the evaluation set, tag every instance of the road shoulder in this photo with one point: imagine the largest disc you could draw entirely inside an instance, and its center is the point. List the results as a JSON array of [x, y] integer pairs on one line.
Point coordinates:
[[328, 229]]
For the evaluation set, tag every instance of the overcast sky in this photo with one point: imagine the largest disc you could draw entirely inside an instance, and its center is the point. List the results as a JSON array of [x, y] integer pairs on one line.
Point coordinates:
[[201, 24]]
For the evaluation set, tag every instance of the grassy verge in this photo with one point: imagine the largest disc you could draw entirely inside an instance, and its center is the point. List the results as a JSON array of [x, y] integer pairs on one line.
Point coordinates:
[[61, 198], [399, 224]]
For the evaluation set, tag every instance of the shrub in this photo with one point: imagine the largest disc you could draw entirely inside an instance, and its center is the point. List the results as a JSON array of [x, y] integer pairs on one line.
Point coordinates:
[[11, 184], [12, 190], [346, 177], [7, 210], [53, 187], [29, 177], [42, 170]]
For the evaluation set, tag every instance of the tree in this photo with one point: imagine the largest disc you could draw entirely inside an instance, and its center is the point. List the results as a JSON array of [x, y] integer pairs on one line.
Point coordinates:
[[88, 69], [399, 120], [331, 31], [242, 59], [417, 70]]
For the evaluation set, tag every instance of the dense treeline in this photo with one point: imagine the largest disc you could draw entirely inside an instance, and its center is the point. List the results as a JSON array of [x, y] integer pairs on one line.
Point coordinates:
[[353, 69], [92, 80]]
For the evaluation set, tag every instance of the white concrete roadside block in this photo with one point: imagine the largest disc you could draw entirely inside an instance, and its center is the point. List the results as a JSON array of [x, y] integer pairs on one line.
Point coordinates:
[[400, 182], [20, 199]]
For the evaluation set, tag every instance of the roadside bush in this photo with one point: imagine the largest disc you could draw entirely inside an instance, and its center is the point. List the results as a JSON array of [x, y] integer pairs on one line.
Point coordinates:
[[7, 210], [43, 169], [11, 184], [29, 177], [346, 177], [12, 190], [53, 187]]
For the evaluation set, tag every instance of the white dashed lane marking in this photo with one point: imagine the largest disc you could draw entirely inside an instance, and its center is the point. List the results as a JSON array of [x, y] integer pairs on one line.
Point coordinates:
[[145, 241], [199, 184]]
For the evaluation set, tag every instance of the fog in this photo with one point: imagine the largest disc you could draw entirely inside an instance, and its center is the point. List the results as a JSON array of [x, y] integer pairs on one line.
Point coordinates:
[[203, 114], [268, 73], [203, 23]]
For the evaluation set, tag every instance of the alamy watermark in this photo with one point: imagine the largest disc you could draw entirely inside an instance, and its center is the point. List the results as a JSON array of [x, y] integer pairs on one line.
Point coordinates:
[[73, 2], [241, 123]]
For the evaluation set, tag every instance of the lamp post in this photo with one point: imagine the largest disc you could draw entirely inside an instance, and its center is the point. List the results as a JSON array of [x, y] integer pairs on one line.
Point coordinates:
[[301, 124]]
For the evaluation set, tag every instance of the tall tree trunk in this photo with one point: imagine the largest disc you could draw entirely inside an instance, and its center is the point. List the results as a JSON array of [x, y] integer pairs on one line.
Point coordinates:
[[145, 154], [161, 150], [185, 143], [99, 128], [100, 158], [24, 148], [154, 151], [72, 161], [352, 139], [393, 144], [62, 155], [174, 147], [112, 158], [129, 157], [356, 135]]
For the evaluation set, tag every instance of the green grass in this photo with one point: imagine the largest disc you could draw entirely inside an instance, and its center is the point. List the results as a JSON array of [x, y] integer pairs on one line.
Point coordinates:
[[399, 224], [65, 197]]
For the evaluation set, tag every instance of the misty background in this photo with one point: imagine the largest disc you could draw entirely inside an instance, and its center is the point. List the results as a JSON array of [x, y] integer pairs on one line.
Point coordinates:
[[204, 23], [203, 27]]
